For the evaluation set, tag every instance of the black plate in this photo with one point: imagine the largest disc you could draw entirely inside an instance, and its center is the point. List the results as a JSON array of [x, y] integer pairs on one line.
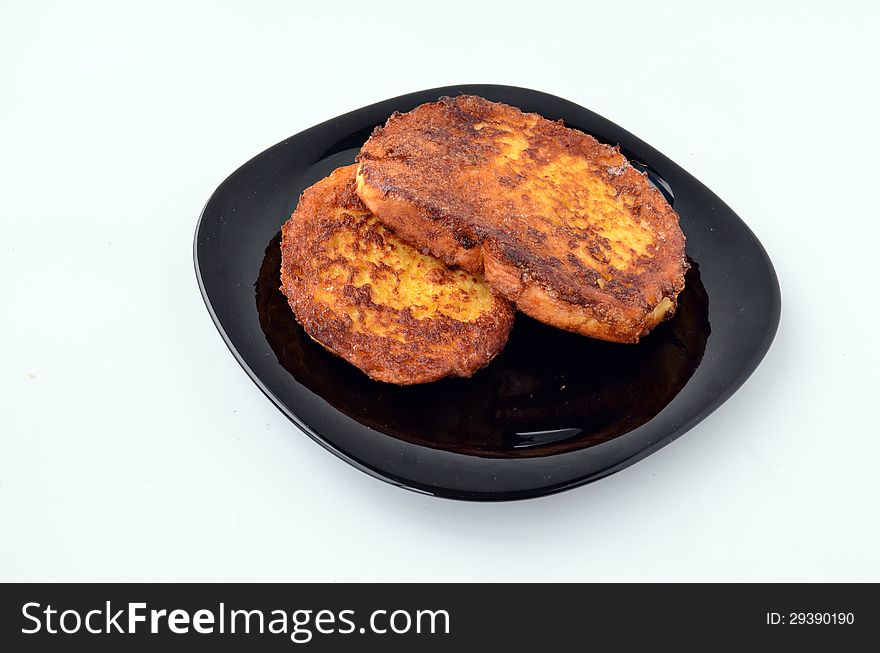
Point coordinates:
[[554, 410]]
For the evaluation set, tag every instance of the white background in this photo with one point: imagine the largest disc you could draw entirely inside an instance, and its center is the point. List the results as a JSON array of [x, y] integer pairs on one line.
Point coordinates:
[[133, 447]]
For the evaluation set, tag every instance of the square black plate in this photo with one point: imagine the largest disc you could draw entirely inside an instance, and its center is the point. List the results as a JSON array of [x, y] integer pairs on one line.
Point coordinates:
[[554, 410]]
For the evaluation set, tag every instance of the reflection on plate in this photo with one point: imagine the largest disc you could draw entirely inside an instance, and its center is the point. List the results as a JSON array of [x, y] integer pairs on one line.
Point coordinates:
[[549, 390]]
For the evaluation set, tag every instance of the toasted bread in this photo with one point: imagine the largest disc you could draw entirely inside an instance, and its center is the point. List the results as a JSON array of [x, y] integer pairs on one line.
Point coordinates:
[[560, 224], [399, 315]]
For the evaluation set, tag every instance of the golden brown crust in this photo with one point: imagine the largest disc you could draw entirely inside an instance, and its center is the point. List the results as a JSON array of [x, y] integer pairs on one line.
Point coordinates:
[[399, 315], [559, 223]]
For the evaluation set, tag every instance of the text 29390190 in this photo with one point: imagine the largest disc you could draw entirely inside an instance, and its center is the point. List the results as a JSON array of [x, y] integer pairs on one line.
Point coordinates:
[[810, 618]]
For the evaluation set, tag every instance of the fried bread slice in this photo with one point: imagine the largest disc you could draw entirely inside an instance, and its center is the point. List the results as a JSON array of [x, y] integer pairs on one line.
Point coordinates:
[[399, 315], [559, 223]]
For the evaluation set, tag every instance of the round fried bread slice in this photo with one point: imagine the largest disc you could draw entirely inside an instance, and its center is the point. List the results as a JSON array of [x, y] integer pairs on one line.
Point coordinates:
[[559, 223], [398, 314]]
